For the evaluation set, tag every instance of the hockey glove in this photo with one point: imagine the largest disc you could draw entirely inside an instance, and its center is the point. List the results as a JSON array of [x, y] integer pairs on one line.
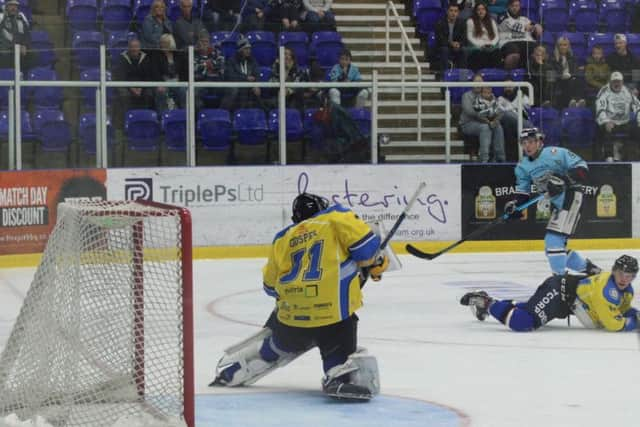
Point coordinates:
[[510, 209], [379, 266], [555, 185]]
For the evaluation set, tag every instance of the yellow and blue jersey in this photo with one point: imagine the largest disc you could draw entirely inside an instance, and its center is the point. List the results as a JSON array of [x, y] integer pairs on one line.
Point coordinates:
[[312, 268], [608, 306]]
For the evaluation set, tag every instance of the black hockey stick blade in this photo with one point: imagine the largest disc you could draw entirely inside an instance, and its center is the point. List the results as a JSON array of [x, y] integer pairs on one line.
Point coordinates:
[[418, 253]]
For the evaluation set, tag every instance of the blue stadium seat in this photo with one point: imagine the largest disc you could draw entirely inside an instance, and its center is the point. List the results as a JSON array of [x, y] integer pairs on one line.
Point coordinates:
[[45, 96], [263, 47], [5, 74], [42, 45], [40, 117], [326, 46], [25, 125], [584, 15], [52, 131], [530, 9], [518, 74], [214, 129], [174, 126], [548, 120], [89, 93], [173, 9], [605, 40], [494, 75], [427, 13], [85, 47], [613, 15], [362, 117], [141, 10], [579, 127], [313, 130], [633, 43], [295, 129], [87, 133], [82, 14], [250, 125], [554, 15], [116, 15], [142, 130], [458, 75], [578, 45], [227, 42], [299, 43], [548, 40]]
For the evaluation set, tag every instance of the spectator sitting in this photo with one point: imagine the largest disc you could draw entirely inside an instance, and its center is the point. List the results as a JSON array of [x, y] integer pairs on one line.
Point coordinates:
[[482, 37], [254, 15], [208, 67], [287, 12], [155, 24], [568, 89], [451, 36], [596, 72], [518, 36], [508, 107], [188, 26], [295, 97], [318, 12], [168, 65], [540, 74], [614, 106], [14, 30], [134, 66], [345, 71], [222, 15], [242, 67], [480, 118], [623, 60]]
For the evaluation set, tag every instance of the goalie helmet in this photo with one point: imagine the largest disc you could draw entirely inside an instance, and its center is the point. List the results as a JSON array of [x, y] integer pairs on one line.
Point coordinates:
[[626, 264], [306, 205]]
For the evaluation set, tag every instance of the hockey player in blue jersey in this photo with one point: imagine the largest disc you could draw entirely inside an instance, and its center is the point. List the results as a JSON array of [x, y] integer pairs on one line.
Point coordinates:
[[560, 174]]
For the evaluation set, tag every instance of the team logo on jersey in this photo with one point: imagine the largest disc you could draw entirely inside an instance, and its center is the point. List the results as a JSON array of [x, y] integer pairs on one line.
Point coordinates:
[[614, 294]]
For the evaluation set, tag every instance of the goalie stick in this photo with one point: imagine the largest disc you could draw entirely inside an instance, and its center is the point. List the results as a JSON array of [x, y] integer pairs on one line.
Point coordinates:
[[502, 218]]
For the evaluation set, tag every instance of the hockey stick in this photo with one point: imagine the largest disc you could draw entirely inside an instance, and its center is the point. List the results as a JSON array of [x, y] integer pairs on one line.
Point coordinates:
[[364, 275], [502, 218]]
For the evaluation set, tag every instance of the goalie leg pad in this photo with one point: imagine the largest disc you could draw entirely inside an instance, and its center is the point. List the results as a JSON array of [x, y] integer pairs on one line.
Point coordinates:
[[357, 378], [565, 220], [247, 362]]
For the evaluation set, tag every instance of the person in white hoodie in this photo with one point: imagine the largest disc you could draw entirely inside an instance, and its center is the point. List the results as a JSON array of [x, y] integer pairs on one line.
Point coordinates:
[[483, 39], [615, 105], [518, 36], [318, 11]]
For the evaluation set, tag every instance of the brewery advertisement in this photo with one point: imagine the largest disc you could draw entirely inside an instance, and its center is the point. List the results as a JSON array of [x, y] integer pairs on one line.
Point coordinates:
[[606, 208], [28, 201]]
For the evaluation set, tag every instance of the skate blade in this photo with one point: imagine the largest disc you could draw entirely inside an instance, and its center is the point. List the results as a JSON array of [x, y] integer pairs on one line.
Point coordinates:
[[350, 397]]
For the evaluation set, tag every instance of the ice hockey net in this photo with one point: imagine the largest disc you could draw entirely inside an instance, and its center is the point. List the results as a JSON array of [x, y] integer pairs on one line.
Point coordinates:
[[106, 329]]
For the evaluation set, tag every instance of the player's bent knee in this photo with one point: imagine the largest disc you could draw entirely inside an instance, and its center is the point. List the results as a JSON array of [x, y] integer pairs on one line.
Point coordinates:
[[361, 369]]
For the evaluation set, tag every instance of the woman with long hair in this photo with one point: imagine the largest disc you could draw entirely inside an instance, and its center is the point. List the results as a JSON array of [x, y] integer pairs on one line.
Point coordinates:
[[568, 91], [482, 35]]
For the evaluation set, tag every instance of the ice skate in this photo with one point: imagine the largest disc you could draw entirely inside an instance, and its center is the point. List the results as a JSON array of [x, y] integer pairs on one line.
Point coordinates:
[[341, 390], [479, 302]]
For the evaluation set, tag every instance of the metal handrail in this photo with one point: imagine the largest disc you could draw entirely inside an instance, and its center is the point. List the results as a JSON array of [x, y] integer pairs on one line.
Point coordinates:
[[404, 42]]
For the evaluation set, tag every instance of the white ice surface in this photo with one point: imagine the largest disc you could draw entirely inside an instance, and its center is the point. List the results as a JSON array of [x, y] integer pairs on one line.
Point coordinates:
[[428, 346]]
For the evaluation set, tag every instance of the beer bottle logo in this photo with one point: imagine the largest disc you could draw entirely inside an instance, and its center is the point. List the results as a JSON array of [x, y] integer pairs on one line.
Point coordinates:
[[606, 203], [543, 209], [485, 203]]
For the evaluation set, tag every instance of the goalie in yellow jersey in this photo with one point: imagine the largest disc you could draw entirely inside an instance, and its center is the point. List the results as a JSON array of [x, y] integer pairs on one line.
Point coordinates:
[[600, 301], [315, 271]]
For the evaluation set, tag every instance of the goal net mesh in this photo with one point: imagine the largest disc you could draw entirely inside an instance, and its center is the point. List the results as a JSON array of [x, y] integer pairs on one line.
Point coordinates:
[[100, 334]]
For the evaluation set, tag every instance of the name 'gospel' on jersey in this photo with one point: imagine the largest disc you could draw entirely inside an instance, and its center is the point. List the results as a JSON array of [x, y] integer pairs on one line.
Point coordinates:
[[312, 268]]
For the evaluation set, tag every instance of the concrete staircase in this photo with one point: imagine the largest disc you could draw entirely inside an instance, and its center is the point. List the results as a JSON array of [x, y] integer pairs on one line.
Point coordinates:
[[362, 25]]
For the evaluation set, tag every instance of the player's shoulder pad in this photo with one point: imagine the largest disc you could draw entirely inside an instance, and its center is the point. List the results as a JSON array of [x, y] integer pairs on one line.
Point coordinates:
[[282, 232], [611, 293], [335, 208]]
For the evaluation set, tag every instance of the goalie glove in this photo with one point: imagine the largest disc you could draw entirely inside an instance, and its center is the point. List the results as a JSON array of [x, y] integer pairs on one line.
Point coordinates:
[[555, 185], [378, 267]]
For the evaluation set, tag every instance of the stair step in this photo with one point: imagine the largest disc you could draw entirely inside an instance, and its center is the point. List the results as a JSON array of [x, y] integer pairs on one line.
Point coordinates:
[[421, 144], [366, 6], [378, 42], [370, 18], [437, 129], [375, 30], [408, 158], [409, 116], [380, 54]]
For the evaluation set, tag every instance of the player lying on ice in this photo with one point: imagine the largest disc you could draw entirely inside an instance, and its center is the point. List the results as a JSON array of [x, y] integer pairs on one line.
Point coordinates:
[[315, 272], [601, 301]]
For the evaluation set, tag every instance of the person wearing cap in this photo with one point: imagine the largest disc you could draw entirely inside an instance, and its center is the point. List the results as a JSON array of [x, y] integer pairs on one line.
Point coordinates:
[[242, 67], [560, 175], [621, 59], [14, 30], [614, 105]]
